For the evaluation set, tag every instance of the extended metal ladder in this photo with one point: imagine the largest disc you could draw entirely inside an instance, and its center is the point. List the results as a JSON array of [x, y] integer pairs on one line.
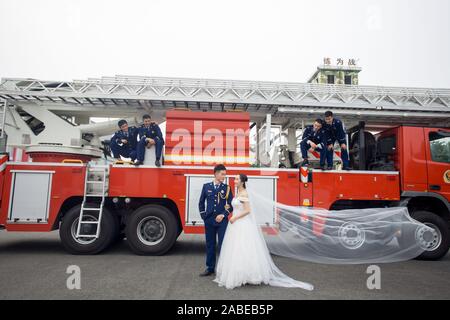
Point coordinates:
[[94, 199], [3, 110]]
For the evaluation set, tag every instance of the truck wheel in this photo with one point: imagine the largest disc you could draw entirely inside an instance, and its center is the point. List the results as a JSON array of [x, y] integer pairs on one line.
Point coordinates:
[[436, 243], [151, 230], [68, 229], [349, 240]]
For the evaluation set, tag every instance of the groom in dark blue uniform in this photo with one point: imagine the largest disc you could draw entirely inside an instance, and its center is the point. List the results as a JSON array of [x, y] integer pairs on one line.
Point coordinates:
[[218, 197]]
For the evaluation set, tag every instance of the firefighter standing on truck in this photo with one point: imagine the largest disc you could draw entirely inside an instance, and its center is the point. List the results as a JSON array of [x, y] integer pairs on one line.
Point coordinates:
[[335, 132]]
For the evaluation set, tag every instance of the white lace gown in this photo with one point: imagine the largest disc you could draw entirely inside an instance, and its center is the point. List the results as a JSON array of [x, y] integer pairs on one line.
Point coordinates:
[[245, 258]]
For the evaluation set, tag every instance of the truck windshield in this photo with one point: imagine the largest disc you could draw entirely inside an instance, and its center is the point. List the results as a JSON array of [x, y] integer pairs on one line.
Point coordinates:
[[440, 146]]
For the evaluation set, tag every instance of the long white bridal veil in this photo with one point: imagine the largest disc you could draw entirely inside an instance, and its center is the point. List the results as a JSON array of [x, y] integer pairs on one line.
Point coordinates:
[[355, 236], [277, 277]]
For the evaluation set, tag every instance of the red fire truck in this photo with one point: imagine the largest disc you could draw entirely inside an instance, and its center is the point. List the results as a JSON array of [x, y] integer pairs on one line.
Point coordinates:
[[93, 205]]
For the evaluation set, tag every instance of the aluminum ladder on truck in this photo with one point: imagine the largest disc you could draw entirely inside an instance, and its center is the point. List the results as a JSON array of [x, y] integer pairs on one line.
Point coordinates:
[[3, 136], [3, 110], [95, 191]]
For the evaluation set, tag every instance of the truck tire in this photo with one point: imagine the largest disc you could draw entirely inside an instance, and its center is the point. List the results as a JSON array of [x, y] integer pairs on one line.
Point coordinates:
[[151, 230], [350, 240], [71, 244], [436, 243]]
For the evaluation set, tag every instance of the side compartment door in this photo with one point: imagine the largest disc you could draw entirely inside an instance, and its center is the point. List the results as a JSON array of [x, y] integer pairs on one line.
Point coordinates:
[[194, 185], [266, 187], [30, 196]]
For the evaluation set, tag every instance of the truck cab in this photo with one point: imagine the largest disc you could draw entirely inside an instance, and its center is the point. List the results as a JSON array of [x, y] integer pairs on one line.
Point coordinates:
[[421, 156]]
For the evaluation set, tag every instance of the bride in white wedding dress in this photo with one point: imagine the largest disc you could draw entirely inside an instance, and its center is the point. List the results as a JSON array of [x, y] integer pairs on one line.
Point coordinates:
[[244, 256]]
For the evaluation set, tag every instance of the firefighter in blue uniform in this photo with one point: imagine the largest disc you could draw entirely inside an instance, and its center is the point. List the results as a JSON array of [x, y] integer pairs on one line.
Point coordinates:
[[218, 197], [314, 137], [149, 135], [336, 132], [123, 143]]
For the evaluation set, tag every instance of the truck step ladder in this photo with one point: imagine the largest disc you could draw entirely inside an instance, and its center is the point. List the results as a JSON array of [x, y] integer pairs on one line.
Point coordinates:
[[95, 191]]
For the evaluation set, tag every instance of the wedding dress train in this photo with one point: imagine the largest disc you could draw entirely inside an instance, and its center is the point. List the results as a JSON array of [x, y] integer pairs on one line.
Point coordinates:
[[245, 258]]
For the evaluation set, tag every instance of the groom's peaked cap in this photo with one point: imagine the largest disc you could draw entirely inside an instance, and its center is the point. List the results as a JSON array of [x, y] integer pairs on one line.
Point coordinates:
[[219, 167]]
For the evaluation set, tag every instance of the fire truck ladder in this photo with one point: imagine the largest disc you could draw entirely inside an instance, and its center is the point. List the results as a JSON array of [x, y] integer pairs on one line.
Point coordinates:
[[3, 109], [95, 190]]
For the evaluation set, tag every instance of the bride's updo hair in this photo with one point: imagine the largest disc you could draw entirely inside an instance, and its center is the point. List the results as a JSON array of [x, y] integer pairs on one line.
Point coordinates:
[[243, 179]]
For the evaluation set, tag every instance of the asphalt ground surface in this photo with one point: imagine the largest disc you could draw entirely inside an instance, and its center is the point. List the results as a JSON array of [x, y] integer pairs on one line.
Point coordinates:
[[34, 266]]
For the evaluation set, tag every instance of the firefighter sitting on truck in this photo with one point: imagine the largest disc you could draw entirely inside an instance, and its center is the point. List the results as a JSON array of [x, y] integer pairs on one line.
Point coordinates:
[[123, 143], [335, 132], [314, 137], [149, 135]]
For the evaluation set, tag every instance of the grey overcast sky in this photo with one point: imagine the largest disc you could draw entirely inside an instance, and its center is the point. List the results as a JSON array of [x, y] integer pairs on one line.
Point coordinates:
[[396, 42]]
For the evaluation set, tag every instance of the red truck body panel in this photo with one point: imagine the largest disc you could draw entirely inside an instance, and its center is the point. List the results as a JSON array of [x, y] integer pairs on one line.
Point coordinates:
[[169, 182], [331, 186], [412, 159], [205, 138], [68, 181]]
